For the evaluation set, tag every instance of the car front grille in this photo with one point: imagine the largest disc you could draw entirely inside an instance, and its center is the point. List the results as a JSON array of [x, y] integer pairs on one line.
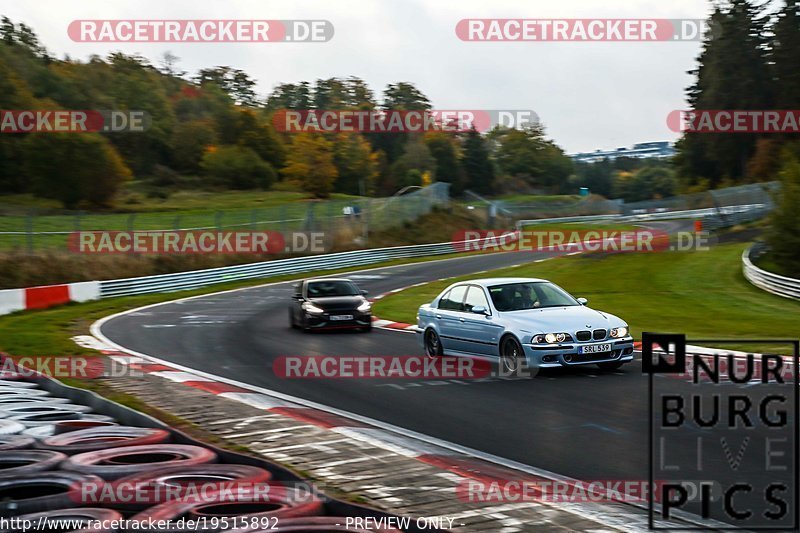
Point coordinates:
[[599, 334], [583, 335]]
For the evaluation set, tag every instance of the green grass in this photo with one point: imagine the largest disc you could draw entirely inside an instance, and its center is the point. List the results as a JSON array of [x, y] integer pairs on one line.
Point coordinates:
[[702, 294]]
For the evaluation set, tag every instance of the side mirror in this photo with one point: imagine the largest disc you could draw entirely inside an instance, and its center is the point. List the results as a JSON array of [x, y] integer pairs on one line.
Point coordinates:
[[583, 301], [480, 310], [297, 297], [364, 293]]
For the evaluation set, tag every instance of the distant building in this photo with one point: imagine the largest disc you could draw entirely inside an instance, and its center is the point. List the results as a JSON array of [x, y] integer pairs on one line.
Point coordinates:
[[658, 149]]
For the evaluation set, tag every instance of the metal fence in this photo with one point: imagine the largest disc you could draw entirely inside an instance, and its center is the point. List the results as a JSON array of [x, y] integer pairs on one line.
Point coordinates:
[[32, 230], [780, 285]]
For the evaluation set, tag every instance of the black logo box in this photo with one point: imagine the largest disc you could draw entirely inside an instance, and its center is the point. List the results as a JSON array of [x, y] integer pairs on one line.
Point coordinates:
[[673, 361]]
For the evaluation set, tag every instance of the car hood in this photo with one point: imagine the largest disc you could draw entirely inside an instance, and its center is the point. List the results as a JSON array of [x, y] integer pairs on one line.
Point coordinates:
[[557, 319], [332, 303]]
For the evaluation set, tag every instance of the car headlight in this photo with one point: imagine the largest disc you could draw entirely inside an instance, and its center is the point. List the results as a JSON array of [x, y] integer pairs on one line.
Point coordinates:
[[619, 332], [552, 338], [313, 309], [363, 308]]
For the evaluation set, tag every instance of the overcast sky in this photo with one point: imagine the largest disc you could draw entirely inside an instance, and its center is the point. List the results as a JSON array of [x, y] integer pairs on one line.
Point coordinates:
[[588, 95]]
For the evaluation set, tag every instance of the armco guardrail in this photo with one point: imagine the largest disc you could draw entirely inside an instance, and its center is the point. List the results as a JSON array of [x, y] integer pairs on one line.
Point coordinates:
[[717, 216], [12, 300], [780, 285], [278, 267]]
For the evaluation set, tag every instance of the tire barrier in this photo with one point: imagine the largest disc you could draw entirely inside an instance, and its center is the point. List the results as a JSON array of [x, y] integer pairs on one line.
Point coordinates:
[[10, 427], [120, 462], [59, 460], [23, 392], [39, 432], [17, 399], [12, 409], [16, 384], [51, 418], [15, 442], [44, 491], [77, 425], [101, 438], [279, 503], [316, 524], [16, 462], [88, 514], [139, 491]]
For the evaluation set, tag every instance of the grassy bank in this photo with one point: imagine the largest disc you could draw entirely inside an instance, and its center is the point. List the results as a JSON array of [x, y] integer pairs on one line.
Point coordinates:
[[702, 294]]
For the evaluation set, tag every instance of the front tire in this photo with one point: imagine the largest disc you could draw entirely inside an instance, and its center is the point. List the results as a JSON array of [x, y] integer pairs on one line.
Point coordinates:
[[608, 367], [433, 345], [512, 357]]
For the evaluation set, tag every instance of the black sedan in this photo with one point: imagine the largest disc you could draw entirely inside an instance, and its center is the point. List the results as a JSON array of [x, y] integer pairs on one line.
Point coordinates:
[[330, 303]]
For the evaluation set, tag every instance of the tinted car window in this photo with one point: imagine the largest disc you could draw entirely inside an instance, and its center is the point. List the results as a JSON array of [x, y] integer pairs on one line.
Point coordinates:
[[452, 300], [475, 298], [322, 289], [534, 295]]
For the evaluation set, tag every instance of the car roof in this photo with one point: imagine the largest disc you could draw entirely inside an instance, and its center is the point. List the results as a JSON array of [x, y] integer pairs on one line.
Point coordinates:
[[327, 279], [487, 282]]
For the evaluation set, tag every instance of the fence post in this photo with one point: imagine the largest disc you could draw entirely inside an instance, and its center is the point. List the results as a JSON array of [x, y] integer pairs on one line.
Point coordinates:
[[218, 220]]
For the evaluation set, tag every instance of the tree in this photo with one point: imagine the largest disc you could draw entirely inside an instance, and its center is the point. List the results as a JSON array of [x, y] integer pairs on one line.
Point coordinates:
[[732, 73], [478, 168], [405, 96], [190, 140], [356, 164], [310, 164], [519, 153], [448, 168], [257, 133], [236, 83], [290, 96], [415, 161], [783, 236], [785, 55], [237, 167], [94, 173]]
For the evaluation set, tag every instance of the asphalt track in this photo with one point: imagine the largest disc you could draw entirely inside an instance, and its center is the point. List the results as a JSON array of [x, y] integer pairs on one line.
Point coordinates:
[[577, 422]]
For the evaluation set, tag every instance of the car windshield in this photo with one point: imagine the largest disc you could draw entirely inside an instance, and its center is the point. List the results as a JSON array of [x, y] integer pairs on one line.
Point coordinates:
[[529, 295], [323, 289]]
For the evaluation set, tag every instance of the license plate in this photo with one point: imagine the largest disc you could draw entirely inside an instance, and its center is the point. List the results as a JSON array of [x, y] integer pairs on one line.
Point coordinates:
[[596, 348], [341, 317]]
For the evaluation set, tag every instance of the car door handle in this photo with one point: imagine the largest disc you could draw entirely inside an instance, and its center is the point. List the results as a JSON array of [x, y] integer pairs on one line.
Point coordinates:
[[461, 320], [438, 316]]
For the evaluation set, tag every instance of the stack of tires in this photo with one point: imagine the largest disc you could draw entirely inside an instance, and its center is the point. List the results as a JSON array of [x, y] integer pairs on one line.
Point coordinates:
[[59, 460]]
